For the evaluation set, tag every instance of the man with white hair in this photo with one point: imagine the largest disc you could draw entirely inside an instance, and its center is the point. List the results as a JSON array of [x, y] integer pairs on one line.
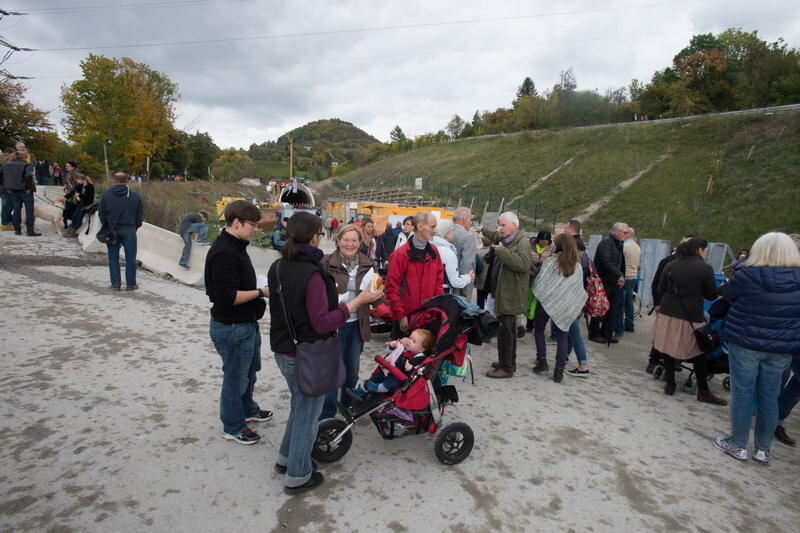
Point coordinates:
[[609, 261], [508, 283], [466, 247]]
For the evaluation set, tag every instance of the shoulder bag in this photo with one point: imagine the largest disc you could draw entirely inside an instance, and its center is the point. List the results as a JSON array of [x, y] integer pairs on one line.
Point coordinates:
[[320, 366]]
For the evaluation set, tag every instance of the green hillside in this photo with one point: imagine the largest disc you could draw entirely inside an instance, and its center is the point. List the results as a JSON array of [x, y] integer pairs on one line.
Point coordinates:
[[753, 161]]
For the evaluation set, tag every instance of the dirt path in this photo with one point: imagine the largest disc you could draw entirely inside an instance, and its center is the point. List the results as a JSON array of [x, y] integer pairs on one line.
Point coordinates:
[[602, 202], [541, 180]]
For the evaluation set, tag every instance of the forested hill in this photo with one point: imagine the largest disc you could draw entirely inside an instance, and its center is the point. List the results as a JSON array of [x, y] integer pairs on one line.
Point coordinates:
[[727, 178], [325, 135]]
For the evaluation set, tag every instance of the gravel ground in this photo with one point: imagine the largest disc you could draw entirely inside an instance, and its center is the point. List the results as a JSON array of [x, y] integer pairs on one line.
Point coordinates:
[[110, 423]]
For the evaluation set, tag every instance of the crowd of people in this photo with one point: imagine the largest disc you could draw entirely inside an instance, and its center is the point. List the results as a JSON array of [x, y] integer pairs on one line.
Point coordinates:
[[547, 278]]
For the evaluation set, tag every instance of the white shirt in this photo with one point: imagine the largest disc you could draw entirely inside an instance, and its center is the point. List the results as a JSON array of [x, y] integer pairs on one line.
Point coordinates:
[[450, 260]]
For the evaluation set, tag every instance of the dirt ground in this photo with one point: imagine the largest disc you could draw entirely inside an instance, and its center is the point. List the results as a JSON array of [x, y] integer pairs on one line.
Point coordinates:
[[110, 423]]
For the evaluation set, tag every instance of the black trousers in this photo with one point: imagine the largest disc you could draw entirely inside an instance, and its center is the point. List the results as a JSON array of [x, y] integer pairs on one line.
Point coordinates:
[[507, 343], [604, 327]]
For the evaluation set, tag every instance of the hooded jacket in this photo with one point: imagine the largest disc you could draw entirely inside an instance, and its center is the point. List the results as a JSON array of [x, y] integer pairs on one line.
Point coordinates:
[[121, 208], [765, 309]]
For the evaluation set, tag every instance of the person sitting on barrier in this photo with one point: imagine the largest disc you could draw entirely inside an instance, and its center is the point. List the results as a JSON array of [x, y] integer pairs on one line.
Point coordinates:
[[192, 223], [406, 354], [79, 198]]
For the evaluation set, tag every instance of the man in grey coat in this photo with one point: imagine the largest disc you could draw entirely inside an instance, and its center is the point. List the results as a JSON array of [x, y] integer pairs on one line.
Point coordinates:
[[466, 247]]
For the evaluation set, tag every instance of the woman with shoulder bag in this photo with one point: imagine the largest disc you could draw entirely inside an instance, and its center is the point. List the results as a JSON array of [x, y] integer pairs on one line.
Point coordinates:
[[762, 330], [348, 266], [684, 284], [311, 301]]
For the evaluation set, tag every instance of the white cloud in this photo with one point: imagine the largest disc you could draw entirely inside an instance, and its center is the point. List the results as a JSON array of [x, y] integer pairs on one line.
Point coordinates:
[[254, 90]]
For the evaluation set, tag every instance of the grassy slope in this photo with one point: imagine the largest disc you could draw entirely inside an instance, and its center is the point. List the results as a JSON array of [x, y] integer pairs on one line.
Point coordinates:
[[748, 197]]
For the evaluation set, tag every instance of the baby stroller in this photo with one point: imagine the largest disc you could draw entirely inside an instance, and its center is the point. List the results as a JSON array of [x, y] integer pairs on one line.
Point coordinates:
[[417, 406], [717, 359]]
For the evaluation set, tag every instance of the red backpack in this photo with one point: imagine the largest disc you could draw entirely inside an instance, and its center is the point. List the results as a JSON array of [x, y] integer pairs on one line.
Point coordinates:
[[597, 302]]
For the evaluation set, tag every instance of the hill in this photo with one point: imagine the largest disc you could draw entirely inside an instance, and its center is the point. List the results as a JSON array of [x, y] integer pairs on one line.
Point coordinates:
[[326, 135], [728, 178]]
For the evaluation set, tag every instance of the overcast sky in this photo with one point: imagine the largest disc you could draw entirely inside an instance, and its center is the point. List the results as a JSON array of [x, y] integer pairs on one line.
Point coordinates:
[[276, 64]]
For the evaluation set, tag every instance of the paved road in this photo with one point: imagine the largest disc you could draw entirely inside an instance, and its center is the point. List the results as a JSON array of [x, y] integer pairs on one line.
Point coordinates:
[[109, 423]]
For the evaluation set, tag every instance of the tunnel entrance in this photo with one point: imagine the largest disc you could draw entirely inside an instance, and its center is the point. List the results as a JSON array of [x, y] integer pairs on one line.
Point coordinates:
[[301, 197]]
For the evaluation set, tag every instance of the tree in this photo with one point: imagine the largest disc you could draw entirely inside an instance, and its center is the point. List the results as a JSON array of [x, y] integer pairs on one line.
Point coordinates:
[[526, 89], [21, 121], [397, 135], [124, 101], [233, 165], [455, 126]]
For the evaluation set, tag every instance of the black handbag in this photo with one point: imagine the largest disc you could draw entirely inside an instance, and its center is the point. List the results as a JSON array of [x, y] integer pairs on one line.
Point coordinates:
[[106, 234], [320, 366]]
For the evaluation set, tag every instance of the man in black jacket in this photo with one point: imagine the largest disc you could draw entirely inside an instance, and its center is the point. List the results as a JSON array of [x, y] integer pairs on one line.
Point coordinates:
[[17, 179], [237, 306], [610, 264]]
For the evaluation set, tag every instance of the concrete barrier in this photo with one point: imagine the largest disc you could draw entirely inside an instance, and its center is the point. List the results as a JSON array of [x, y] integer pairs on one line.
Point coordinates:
[[158, 250]]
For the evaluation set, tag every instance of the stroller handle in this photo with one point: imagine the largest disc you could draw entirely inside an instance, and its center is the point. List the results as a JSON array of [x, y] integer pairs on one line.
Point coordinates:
[[393, 370]]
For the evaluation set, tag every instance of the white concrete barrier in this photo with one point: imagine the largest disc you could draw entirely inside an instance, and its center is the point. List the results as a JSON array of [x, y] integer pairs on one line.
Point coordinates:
[[159, 250]]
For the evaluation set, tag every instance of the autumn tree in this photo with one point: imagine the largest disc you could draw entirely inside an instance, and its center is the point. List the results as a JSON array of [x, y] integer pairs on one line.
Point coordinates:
[[21, 121], [455, 127], [125, 102], [233, 165]]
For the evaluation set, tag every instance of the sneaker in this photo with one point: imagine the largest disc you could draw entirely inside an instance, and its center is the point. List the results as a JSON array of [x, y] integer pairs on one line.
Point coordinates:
[[185, 267], [33, 234], [577, 373], [762, 456], [115, 288], [131, 287], [261, 416], [315, 480], [725, 445], [247, 436], [203, 243]]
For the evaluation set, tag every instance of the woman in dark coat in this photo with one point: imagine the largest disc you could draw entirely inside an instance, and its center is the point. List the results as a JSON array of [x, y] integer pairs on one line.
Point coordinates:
[[684, 284], [81, 197], [315, 312], [762, 330]]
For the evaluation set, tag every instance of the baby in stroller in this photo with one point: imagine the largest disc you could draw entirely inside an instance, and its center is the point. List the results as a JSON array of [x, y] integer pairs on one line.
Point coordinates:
[[406, 353]]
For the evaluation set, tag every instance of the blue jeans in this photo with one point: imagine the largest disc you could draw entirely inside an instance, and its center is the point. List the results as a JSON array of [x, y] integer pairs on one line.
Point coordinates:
[[790, 394], [576, 342], [350, 345], [127, 239], [8, 206], [625, 318], [301, 427], [755, 375], [239, 345], [18, 199], [77, 217], [202, 233]]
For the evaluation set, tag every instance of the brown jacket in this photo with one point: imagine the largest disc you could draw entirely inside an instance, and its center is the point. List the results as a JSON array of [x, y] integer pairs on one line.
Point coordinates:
[[333, 265]]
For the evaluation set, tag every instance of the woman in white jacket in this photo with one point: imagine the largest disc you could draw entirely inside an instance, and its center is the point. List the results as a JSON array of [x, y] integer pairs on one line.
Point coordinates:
[[445, 231]]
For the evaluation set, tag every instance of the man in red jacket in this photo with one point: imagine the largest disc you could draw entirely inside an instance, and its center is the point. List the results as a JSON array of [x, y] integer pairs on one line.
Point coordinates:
[[416, 274]]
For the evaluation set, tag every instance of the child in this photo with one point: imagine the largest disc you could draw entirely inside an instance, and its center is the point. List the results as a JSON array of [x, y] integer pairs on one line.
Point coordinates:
[[406, 353]]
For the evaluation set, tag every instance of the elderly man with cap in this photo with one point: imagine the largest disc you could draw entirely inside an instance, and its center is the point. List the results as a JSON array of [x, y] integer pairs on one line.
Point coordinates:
[[508, 282]]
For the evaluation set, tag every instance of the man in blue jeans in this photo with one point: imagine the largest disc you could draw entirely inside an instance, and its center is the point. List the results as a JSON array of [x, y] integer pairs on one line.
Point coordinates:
[[237, 305], [192, 223], [122, 210]]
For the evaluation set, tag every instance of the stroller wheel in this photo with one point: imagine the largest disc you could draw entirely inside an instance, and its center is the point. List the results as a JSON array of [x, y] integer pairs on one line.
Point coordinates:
[[454, 443], [726, 383], [325, 450], [658, 370]]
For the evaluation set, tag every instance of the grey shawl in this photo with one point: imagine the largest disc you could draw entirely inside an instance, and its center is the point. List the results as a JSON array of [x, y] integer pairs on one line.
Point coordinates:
[[562, 297]]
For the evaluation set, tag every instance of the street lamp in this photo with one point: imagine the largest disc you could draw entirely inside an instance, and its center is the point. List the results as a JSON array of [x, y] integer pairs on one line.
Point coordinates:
[[105, 157]]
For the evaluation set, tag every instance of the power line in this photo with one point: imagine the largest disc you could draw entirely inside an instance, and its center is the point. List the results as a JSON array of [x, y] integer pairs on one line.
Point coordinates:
[[428, 53], [370, 29], [120, 7]]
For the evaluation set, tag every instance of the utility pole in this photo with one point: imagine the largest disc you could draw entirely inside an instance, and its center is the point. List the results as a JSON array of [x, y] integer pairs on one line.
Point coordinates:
[[291, 155], [105, 157]]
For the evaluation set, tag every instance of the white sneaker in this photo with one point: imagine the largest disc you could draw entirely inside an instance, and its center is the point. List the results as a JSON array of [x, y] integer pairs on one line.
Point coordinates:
[[762, 456], [727, 446]]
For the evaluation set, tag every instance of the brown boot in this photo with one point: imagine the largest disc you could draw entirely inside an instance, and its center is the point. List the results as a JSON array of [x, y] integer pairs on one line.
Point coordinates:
[[669, 389], [707, 396], [496, 365], [499, 373], [71, 233]]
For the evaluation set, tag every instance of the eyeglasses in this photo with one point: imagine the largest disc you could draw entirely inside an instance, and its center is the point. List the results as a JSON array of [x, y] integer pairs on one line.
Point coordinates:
[[254, 224]]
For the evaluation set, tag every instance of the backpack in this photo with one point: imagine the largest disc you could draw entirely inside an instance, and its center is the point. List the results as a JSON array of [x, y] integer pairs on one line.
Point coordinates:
[[596, 302]]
